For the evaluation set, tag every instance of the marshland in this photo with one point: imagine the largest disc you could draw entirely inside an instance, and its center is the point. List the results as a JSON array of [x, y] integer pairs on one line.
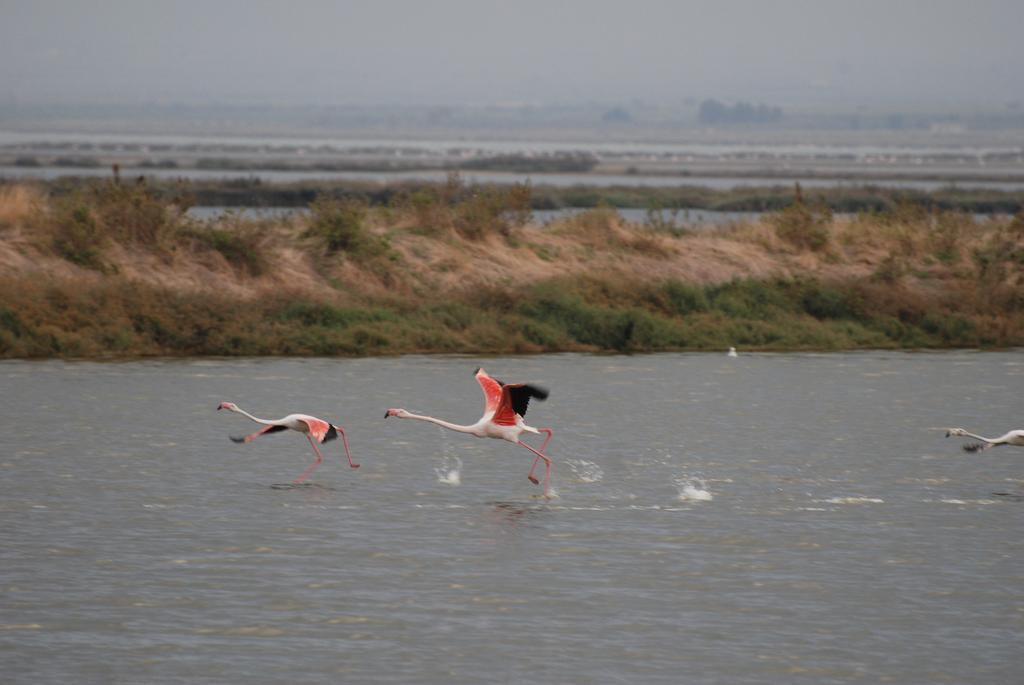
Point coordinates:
[[760, 259]]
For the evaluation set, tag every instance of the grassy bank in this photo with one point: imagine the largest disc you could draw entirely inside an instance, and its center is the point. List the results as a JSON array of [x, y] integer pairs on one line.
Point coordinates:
[[108, 269]]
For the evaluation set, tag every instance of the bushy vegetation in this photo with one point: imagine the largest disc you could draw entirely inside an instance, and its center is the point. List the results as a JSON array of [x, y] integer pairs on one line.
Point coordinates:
[[472, 212], [772, 196], [341, 226], [409, 278], [803, 226]]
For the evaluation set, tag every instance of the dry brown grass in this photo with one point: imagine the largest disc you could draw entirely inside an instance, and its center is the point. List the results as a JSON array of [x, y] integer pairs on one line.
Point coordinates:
[[511, 287], [19, 205], [239, 256]]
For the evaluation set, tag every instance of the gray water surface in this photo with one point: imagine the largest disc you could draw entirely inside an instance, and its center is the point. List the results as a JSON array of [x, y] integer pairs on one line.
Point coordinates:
[[679, 218], [763, 519]]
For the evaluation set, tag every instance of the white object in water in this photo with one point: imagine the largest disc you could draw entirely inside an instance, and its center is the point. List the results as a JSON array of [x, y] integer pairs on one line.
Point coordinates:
[[732, 352]]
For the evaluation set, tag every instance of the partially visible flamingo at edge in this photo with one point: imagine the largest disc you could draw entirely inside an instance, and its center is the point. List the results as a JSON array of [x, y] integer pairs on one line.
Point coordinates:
[[504, 408], [316, 431], [1015, 437]]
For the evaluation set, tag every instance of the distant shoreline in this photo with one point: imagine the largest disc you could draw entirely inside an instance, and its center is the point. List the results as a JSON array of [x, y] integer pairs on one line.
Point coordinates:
[[249, 192]]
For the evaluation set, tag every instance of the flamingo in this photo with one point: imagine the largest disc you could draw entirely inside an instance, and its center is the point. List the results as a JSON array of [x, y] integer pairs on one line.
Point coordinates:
[[1015, 437], [316, 431], [504, 407]]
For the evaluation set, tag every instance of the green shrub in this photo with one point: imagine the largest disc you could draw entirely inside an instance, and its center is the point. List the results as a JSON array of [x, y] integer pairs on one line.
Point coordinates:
[[241, 246], [802, 226], [493, 209], [947, 231], [748, 299], [684, 298], [131, 213], [825, 302], [431, 215], [330, 316], [341, 226], [891, 270], [77, 236], [603, 327]]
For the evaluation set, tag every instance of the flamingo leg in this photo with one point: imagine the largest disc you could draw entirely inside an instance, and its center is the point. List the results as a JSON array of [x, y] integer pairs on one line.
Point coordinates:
[[309, 470], [530, 476], [344, 441], [547, 439], [547, 468]]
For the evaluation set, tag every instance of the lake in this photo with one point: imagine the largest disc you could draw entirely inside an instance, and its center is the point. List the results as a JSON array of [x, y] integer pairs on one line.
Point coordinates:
[[787, 518], [686, 217]]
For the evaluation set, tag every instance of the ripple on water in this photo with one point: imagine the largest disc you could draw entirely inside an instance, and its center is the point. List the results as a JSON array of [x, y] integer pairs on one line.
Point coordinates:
[[242, 631], [584, 471]]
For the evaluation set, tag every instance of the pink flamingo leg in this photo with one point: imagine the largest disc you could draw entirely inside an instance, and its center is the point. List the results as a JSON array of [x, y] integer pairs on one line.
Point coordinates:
[[547, 439], [344, 441], [530, 476], [547, 468], [319, 460]]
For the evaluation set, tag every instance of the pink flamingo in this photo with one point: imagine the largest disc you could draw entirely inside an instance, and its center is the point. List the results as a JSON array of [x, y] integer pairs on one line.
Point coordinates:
[[1012, 438], [504, 407], [311, 426]]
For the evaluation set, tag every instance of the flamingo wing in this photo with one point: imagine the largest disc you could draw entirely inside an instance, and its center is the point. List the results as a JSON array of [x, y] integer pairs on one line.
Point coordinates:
[[332, 434], [520, 394], [319, 429], [492, 391], [261, 431], [514, 401]]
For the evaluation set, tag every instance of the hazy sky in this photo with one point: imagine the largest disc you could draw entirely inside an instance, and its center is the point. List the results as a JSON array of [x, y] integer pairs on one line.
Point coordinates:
[[482, 51]]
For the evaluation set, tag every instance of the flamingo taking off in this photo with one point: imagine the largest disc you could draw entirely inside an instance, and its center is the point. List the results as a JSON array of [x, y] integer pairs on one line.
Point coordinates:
[[504, 407], [316, 431], [1012, 438]]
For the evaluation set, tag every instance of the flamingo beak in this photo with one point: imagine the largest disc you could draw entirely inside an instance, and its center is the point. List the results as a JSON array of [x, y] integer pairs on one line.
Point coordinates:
[[387, 414]]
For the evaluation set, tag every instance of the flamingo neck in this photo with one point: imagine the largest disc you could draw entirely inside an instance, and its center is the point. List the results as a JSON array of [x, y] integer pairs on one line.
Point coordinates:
[[257, 420], [472, 430], [982, 438]]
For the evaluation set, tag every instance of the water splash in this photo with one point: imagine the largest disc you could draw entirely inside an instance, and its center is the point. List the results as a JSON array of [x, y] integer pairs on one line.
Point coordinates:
[[852, 500], [693, 490], [450, 471], [585, 471]]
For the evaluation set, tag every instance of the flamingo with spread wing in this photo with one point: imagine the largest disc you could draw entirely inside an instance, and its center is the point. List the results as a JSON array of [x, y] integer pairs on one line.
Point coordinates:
[[504, 408], [316, 431]]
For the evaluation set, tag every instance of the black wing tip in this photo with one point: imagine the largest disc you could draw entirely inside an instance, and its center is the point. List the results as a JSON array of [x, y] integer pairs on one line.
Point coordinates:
[[538, 391], [331, 434], [521, 394], [974, 447], [235, 438]]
